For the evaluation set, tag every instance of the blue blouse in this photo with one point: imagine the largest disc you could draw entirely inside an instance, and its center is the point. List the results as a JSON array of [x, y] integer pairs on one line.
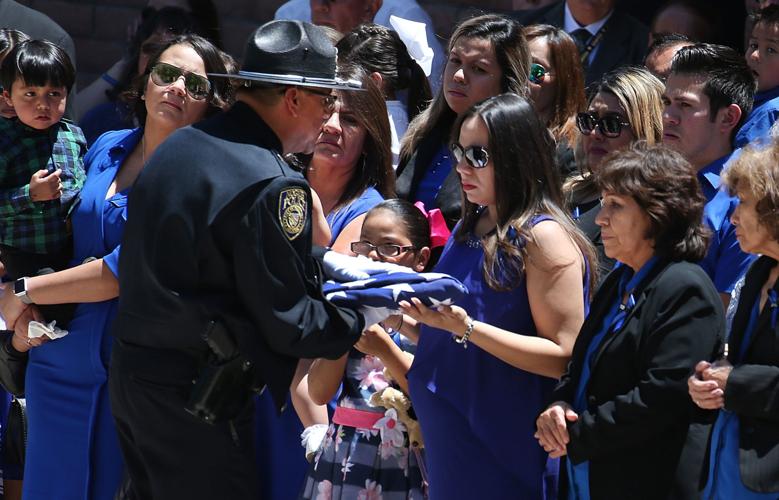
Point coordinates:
[[339, 219], [724, 474], [434, 177]]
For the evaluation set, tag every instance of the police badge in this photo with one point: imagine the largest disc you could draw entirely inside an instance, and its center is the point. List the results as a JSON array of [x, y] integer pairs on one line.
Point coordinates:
[[292, 211]]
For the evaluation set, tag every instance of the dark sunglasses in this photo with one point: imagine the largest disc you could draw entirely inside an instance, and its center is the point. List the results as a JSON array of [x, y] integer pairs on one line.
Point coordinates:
[[385, 250], [476, 156], [537, 73], [198, 87], [609, 125]]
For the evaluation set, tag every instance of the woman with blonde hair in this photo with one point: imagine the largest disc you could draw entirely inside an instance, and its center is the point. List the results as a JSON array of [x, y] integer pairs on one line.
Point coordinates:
[[625, 107]]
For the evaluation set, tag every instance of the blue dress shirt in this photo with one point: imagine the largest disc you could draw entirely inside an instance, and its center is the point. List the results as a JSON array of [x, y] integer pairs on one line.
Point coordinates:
[[758, 124], [724, 262]]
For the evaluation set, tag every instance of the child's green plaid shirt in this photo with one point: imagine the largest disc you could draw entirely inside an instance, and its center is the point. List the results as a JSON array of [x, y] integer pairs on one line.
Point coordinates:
[[35, 226]]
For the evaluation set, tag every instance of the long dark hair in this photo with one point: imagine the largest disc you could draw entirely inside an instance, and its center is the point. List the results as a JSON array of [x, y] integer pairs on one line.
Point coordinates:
[[214, 60], [379, 49], [511, 52], [9, 38], [569, 78], [527, 184], [169, 22]]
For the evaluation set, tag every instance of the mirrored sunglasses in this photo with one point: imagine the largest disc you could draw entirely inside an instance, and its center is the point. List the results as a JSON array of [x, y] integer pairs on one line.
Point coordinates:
[[198, 87], [385, 250], [537, 73], [609, 125], [476, 156]]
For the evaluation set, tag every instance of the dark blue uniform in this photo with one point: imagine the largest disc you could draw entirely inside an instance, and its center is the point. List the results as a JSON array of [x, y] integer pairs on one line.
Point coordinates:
[[218, 228]]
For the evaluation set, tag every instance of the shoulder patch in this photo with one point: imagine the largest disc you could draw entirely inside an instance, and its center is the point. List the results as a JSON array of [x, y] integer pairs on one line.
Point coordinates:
[[293, 207]]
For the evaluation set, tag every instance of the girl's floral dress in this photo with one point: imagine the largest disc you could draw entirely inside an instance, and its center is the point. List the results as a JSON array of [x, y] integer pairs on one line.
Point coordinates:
[[375, 463]]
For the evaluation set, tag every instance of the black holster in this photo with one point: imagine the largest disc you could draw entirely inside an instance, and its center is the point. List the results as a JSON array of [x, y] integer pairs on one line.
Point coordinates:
[[224, 385]]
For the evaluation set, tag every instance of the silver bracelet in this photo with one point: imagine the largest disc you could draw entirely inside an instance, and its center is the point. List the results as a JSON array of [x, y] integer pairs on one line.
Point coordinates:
[[468, 331]]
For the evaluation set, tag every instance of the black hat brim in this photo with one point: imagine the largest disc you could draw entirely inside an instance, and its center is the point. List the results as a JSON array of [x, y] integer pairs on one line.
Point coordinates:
[[295, 80]]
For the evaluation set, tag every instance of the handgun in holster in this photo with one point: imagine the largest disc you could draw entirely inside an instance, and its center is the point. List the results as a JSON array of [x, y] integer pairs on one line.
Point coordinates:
[[223, 387]]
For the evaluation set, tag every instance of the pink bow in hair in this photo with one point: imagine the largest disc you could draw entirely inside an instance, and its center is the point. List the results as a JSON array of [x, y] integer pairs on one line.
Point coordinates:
[[439, 231]]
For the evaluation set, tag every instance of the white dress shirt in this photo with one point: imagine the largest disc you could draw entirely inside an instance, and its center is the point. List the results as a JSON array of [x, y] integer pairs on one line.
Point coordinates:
[[406, 9]]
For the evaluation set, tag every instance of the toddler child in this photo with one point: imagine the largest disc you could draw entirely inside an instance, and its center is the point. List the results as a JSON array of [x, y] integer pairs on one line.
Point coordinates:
[[41, 165]]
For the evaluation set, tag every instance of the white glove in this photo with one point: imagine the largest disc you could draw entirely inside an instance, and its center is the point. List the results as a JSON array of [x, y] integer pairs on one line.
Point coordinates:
[[375, 315], [345, 268], [311, 439]]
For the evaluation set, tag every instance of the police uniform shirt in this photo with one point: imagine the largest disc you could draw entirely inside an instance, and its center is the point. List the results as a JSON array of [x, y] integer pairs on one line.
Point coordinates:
[[219, 226]]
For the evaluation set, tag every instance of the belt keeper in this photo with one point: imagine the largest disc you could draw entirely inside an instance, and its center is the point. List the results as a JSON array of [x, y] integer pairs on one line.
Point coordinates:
[[468, 331]]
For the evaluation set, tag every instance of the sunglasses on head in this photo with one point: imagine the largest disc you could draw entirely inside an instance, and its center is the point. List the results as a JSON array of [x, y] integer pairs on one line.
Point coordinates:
[[609, 125], [198, 87], [476, 156], [384, 250], [537, 73]]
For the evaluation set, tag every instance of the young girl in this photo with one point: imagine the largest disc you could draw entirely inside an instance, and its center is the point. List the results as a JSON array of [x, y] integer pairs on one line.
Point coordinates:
[[367, 450]]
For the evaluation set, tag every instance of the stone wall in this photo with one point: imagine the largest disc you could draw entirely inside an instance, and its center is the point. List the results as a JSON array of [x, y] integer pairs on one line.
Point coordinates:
[[100, 27]]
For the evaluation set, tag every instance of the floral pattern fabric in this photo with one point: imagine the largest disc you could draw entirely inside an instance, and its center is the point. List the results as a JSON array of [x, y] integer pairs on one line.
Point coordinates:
[[366, 464]]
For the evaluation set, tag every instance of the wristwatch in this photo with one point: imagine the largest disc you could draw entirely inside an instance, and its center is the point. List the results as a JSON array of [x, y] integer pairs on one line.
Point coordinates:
[[20, 290]]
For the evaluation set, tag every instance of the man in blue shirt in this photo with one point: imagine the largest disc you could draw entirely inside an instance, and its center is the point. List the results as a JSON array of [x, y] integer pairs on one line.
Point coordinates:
[[708, 95]]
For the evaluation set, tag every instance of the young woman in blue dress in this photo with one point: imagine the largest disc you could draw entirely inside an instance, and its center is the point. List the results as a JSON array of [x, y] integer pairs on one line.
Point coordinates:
[[72, 449], [484, 368]]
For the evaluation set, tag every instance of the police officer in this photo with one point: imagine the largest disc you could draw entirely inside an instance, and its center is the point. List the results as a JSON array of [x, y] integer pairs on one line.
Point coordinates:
[[218, 246]]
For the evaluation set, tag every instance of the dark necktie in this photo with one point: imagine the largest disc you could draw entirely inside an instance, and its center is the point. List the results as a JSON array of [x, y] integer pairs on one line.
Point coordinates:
[[581, 36]]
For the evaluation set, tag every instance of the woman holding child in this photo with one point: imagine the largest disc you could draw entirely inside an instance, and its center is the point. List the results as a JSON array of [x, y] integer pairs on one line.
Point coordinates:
[[73, 450]]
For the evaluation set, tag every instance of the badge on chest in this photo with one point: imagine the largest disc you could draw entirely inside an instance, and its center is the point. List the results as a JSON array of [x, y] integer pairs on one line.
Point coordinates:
[[292, 211]]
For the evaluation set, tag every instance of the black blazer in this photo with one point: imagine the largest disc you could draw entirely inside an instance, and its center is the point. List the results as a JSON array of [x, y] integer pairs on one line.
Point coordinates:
[[752, 390], [410, 173], [638, 410], [624, 42]]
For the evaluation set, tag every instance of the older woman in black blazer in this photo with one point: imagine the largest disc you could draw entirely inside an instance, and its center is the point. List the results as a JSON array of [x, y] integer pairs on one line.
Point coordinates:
[[622, 413], [743, 458]]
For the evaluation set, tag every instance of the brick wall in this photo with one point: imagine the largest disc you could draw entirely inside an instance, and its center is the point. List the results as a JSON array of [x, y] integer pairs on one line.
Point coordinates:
[[99, 27]]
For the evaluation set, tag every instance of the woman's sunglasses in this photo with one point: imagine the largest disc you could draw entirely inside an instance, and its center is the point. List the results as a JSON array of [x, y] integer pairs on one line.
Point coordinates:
[[384, 250], [198, 87], [537, 73], [609, 125], [476, 156]]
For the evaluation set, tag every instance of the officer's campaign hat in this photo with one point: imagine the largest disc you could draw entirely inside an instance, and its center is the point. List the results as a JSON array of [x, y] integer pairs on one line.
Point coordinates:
[[291, 53]]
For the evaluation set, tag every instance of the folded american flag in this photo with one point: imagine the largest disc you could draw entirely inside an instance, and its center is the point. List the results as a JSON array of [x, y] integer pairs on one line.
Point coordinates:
[[386, 288]]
